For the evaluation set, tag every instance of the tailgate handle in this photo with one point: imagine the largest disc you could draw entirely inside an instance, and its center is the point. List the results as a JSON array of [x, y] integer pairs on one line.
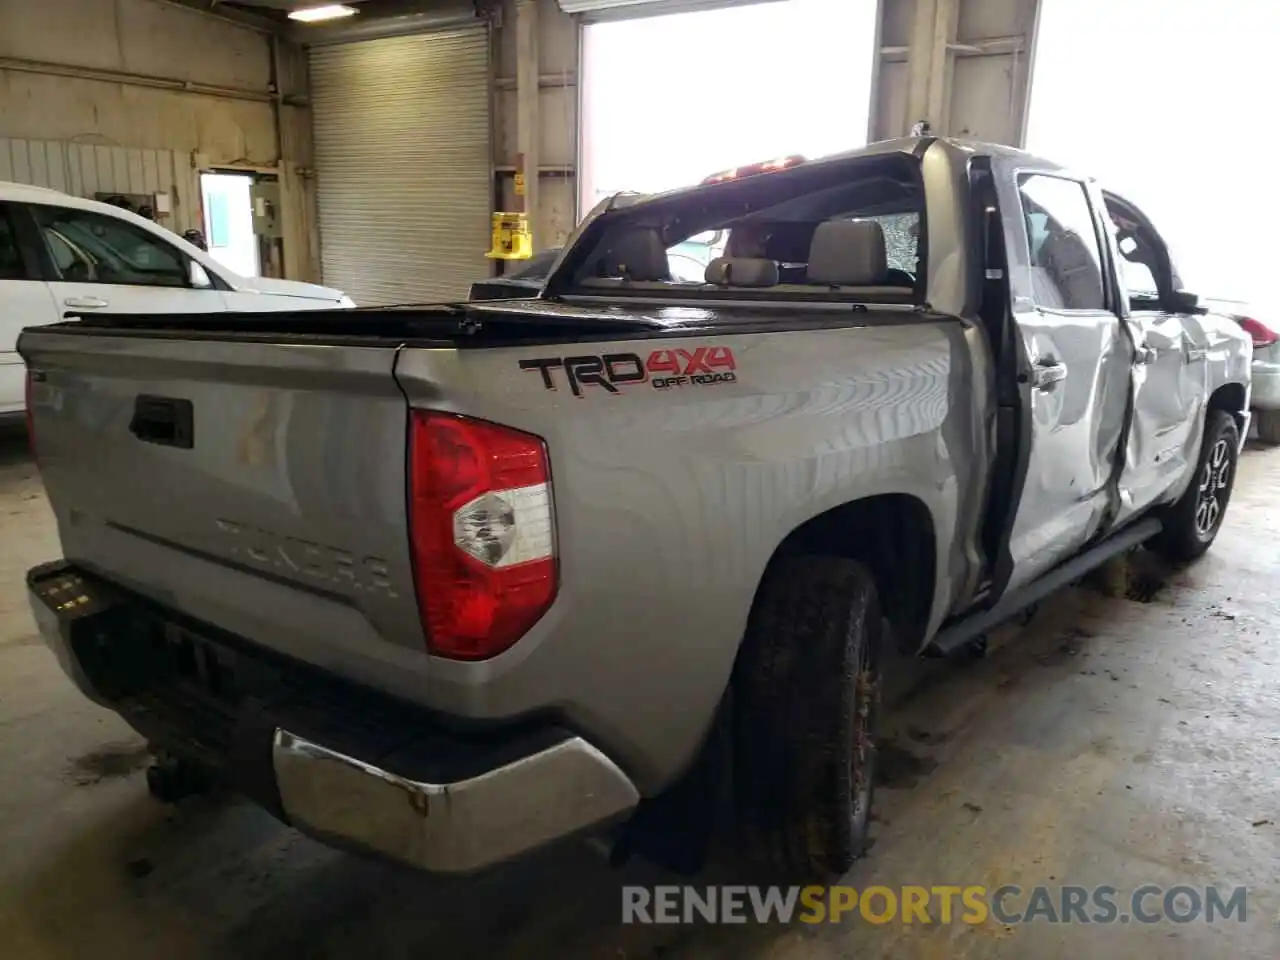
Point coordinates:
[[163, 420]]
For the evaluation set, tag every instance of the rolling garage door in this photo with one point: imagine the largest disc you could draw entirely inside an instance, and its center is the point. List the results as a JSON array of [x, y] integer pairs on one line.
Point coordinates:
[[403, 164]]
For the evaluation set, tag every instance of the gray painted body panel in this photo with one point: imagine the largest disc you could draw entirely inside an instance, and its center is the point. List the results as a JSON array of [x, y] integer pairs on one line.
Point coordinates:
[[1076, 427], [285, 522], [668, 503]]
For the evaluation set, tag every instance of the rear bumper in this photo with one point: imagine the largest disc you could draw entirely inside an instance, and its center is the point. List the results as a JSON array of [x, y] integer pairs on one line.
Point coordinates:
[[448, 827], [345, 765]]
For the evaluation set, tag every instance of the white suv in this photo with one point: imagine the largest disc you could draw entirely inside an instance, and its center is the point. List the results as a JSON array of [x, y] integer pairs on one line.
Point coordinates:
[[62, 254]]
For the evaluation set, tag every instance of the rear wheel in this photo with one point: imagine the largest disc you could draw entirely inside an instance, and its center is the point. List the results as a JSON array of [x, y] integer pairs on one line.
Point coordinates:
[[806, 695], [1193, 522], [1268, 425]]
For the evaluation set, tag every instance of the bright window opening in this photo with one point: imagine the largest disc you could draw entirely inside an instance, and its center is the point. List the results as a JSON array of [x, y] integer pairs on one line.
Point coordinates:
[[670, 100], [1171, 117], [228, 221]]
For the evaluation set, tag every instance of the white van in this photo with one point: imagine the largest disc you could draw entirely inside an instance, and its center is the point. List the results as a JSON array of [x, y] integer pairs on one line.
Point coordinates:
[[61, 254]]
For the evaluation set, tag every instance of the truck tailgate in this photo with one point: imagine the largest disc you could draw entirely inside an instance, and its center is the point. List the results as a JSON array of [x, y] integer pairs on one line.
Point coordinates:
[[259, 486]]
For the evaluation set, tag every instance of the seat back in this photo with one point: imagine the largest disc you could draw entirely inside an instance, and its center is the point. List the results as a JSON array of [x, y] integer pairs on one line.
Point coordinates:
[[742, 272], [848, 253]]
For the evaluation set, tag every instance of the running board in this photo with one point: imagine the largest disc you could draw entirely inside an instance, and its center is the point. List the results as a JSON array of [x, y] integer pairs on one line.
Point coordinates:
[[952, 638]]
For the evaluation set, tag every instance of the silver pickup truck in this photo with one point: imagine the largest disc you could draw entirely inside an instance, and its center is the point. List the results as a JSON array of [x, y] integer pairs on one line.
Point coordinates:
[[446, 584]]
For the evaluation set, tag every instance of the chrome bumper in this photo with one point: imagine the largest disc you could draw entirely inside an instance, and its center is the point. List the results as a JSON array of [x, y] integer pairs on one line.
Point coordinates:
[[496, 806], [449, 827]]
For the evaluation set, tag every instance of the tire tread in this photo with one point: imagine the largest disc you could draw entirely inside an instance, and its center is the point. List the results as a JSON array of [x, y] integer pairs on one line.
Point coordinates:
[[793, 708]]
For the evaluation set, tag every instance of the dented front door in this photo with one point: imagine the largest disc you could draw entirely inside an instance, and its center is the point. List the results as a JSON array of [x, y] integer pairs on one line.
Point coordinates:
[[1074, 367], [1169, 388], [1168, 407]]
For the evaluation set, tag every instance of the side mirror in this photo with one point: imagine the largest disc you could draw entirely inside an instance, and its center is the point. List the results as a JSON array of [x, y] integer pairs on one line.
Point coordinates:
[[1183, 301]]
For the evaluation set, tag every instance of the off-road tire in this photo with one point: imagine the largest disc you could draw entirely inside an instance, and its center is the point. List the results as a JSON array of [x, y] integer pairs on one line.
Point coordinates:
[[1191, 524], [1268, 422], [805, 709]]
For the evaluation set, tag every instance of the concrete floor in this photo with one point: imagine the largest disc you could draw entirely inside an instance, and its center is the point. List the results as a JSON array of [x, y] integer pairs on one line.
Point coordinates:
[[1110, 741]]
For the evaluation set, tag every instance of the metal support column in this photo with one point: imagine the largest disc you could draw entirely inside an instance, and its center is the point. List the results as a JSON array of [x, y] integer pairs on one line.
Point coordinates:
[[528, 121], [932, 59]]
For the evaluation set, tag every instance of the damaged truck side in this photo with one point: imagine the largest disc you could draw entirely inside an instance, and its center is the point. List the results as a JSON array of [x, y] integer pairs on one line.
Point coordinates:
[[446, 584]]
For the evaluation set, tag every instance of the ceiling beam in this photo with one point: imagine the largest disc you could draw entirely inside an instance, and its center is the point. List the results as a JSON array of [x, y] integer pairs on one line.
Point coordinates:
[[229, 14]]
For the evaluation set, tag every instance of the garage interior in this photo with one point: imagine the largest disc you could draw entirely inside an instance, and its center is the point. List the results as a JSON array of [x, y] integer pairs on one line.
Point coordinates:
[[1127, 733]]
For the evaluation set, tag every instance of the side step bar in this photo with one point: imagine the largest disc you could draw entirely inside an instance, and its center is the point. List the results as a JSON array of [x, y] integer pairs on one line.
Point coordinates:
[[953, 637]]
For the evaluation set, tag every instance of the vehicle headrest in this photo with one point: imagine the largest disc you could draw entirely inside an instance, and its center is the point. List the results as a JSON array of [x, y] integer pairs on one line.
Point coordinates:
[[638, 255], [848, 252], [742, 272]]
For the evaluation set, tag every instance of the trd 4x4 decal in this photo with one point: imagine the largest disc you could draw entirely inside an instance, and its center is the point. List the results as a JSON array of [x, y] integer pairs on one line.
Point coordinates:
[[663, 369]]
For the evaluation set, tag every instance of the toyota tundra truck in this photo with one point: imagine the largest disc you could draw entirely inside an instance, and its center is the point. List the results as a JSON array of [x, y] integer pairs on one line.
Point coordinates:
[[446, 584]]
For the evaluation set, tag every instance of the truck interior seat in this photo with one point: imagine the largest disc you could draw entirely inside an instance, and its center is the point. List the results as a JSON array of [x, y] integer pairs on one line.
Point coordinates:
[[638, 255], [1045, 290], [742, 272], [747, 240], [786, 243], [791, 242], [10, 259], [1076, 271]]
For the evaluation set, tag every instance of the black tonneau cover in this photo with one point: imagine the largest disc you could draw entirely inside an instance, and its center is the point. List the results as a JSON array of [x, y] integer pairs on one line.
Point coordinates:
[[494, 323], [446, 322]]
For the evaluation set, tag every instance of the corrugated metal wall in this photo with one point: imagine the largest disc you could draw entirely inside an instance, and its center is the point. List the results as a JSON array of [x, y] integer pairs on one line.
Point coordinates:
[[148, 102], [84, 169]]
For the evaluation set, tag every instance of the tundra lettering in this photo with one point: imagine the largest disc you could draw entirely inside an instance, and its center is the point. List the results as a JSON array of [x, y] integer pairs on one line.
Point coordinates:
[[316, 561]]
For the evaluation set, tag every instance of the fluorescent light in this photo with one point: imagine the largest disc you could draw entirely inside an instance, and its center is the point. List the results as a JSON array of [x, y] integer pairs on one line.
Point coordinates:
[[316, 14]]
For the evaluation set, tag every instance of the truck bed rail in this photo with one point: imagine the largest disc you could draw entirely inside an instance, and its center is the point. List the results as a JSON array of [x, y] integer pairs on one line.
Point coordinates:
[[449, 322]]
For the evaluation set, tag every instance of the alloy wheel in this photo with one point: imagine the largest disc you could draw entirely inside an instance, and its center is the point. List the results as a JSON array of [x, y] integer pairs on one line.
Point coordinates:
[[1215, 479]]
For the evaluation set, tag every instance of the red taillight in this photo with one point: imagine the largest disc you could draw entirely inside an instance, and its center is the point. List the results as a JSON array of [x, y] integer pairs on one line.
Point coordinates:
[[1263, 336], [482, 533]]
